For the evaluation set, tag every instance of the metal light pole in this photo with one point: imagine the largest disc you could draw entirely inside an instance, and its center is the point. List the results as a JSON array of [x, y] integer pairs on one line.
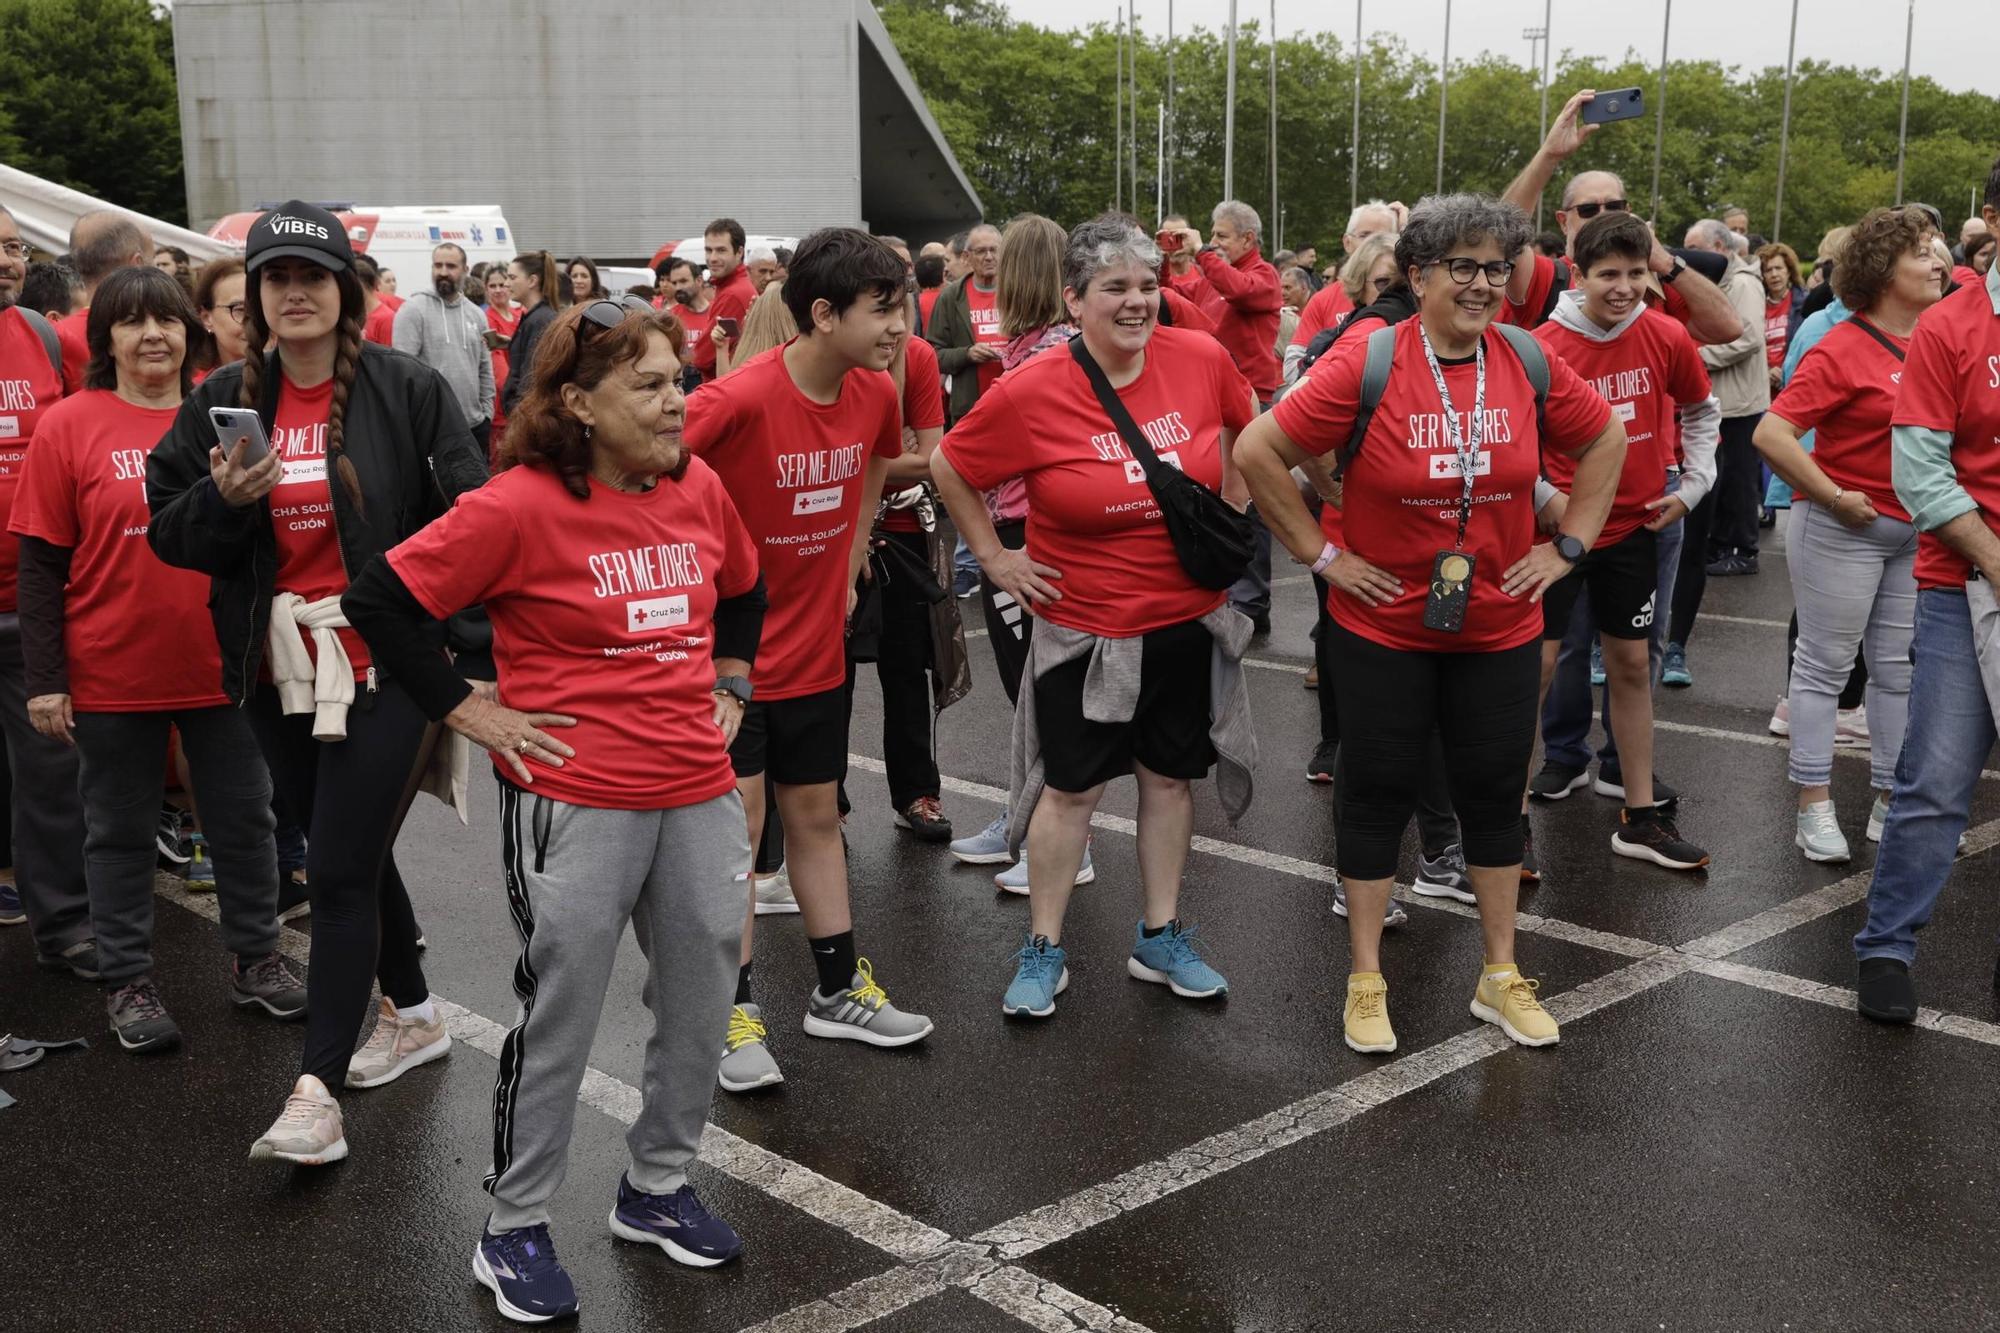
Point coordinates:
[[1354, 151], [1229, 114], [1273, 214], [1444, 88], [1118, 115], [1785, 130], [1903, 126], [1160, 168], [1542, 34], [1167, 168], [1132, 40], [1660, 117]]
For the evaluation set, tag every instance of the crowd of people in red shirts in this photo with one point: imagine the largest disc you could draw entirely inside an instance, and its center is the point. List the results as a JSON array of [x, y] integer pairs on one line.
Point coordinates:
[[637, 546]]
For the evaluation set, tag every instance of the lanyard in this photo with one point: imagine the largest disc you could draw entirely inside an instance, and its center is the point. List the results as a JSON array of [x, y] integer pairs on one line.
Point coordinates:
[[1467, 449]]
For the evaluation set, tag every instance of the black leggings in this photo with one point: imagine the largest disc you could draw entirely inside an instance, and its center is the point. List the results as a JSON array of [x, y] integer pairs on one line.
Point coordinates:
[[1856, 692], [352, 796], [1480, 704], [1691, 579], [1007, 627]]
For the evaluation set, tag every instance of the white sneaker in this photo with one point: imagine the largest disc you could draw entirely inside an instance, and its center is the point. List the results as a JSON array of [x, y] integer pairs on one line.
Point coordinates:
[[1781, 718], [1014, 879], [396, 1046], [774, 893], [1850, 726], [1819, 835], [307, 1132]]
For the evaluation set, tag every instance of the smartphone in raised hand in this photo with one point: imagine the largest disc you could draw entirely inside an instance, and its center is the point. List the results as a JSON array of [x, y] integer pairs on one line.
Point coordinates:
[[237, 423], [1617, 104]]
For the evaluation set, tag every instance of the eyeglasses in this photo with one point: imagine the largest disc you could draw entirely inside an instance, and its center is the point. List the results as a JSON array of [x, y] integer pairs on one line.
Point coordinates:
[[1384, 283], [236, 310], [1588, 211], [605, 314], [14, 249], [1497, 271]]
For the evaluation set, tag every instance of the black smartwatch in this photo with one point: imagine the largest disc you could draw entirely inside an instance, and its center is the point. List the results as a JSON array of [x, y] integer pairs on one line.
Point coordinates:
[[1569, 548], [735, 686], [1673, 274]]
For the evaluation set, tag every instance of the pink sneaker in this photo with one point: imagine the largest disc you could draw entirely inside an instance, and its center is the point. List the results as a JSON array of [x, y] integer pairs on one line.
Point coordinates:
[[1850, 726], [308, 1132], [1781, 718], [397, 1046]]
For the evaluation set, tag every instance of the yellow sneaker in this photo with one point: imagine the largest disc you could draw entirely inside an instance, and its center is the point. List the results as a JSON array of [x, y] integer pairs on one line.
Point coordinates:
[[1506, 998], [1368, 1029]]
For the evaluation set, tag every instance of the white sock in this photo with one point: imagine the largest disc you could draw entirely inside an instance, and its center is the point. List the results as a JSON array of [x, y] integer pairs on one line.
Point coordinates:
[[423, 1013]]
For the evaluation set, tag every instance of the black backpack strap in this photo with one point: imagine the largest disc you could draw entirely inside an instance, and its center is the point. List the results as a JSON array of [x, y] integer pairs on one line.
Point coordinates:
[[1114, 407], [1878, 336], [1557, 286], [1166, 316], [1535, 363], [1375, 368], [51, 344]]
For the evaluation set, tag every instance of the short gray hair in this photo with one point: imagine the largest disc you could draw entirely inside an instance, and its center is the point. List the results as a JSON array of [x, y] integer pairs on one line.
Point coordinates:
[[1363, 210], [1238, 215], [1713, 232], [1440, 223], [761, 254], [1106, 241], [1739, 244]]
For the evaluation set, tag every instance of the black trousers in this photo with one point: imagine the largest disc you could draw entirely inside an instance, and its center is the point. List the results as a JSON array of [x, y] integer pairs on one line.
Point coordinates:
[[1393, 705], [903, 666], [352, 796], [1008, 626], [1692, 579], [47, 812], [1739, 489]]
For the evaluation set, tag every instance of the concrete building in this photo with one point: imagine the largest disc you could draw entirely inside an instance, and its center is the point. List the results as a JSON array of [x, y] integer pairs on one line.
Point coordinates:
[[606, 127]]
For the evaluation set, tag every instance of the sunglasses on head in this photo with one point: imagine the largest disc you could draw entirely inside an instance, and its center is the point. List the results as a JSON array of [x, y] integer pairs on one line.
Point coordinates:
[[1588, 211], [606, 313]]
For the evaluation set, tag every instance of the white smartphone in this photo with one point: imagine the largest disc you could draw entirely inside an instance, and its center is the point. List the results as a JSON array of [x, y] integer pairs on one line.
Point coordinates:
[[236, 423]]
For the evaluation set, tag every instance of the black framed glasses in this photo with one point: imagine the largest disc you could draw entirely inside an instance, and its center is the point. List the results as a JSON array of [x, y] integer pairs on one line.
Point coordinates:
[[237, 310], [1588, 211], [1497, 271]]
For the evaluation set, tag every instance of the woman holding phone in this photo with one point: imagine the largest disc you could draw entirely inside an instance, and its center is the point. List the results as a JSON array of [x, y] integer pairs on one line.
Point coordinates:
[[366, 447]]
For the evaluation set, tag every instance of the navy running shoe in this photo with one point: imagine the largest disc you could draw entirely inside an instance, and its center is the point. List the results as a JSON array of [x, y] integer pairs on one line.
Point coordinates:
[[11, 912], [678, 1223], [521, 1270]]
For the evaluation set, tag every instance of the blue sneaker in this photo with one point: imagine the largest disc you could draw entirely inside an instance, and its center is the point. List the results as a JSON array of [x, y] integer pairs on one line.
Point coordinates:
[[521, 1270], [1042, 975], [11, 913], [988, 847], [1014, 879], [1674, 667], [1170, 959], [1596, 663], [678, 1223], [201, 869]]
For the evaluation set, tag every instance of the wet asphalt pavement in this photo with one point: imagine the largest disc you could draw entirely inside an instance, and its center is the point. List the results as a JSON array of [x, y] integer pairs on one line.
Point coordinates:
[[1718, 1142]]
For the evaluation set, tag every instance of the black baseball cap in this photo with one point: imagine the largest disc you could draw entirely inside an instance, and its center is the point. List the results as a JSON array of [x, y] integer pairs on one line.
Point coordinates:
[[299, 230]]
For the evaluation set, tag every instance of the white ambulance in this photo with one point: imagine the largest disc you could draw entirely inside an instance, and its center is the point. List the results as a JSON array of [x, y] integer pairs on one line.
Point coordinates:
[[401, 238]]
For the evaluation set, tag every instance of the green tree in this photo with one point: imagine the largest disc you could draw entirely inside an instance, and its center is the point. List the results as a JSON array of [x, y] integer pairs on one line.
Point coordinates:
[[87, 99]]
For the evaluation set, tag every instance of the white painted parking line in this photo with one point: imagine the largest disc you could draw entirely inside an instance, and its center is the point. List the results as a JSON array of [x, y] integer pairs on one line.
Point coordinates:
[[1707, 616]]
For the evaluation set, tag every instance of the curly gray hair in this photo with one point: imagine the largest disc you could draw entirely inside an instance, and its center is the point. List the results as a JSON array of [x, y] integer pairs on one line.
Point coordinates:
[[1108, 240], [1440, 223]]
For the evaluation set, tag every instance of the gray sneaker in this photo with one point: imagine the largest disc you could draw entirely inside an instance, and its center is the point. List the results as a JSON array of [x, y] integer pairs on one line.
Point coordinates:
[[139, 1019], [746, 1060], [79, 960], [273, 981], [1444, 876], [1392, 915], [862, 1012], [1819, 835]]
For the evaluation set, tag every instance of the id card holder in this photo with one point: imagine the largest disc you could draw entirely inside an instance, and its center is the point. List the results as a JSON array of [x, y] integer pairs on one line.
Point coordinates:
[[1451, 589]]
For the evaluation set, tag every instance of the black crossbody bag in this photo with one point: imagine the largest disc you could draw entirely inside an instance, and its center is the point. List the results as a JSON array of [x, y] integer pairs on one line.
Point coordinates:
[[1212, 540]]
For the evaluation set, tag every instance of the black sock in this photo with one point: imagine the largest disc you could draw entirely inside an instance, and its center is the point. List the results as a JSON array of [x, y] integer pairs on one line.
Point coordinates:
[[833, 956], [1154, 932], [743, 984]]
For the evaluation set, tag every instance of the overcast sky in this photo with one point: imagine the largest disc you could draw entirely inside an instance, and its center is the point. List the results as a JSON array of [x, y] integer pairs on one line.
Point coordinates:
[[1952, 46]]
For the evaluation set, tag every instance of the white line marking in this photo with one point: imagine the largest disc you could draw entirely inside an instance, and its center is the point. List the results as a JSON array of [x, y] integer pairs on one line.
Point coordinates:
[[1839, 997], [1044, 1305], [1706, 616]]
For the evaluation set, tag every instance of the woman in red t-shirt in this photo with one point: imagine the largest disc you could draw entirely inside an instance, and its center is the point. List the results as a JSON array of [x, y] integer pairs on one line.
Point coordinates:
[[1118, 675], [1852, 549], [366, 447], [503, 318], [1435, 604], [626, 606], [1782, 295], [91, 593]]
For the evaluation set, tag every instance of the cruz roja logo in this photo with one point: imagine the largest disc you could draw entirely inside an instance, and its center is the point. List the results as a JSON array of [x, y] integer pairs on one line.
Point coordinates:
[[654, 613]]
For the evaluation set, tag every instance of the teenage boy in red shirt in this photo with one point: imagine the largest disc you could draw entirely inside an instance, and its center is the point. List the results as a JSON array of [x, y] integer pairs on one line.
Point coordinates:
[[802, 437], [1645, 364]]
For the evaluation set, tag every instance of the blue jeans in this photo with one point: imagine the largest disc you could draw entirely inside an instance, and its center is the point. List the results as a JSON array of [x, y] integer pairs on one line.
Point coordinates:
[[1566, 713], [1951, 732]]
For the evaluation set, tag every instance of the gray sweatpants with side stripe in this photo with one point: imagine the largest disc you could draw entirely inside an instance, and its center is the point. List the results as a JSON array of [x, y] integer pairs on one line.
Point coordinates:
[[575, 876]]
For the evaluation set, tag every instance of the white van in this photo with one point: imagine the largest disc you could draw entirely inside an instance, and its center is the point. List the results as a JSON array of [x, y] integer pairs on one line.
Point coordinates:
[[401, 238]]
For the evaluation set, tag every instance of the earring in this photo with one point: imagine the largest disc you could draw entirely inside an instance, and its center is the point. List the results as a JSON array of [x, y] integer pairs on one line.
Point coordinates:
[[586, 435]]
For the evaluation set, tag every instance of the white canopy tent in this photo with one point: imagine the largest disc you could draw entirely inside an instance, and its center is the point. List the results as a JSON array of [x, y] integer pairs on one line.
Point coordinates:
[[45, 212]]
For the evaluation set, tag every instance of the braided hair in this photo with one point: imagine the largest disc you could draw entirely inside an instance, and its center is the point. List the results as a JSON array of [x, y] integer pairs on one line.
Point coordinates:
[[346, 363]]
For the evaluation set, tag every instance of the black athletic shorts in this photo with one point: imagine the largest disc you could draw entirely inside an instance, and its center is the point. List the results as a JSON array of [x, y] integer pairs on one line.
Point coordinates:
[[798, 742], [1168, 732], [1623, 579]]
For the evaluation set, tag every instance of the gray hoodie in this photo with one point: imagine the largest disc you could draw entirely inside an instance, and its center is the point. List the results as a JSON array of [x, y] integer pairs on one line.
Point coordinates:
[[1701, 422], [450, 338]]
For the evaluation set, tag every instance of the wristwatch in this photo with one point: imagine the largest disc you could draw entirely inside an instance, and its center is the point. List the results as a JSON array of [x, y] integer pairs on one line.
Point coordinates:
[[738, 686], [1569, 548], [1673, 274]]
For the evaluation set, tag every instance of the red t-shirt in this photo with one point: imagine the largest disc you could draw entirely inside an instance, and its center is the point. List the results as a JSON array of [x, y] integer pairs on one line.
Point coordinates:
[[604, 610], [502, 322], [1777, 321], [926, 299], [1952, 383], [923, 409], [85, 488], [1402, 493], [1844, 389], [381, 323], [28, 389], [694, 326], [72, 331], [1352, 343], [1528, 314], [732, 299], [985, 312], [1644, 373], [1323, 311], [1090, 512], [302, 508], [796, 470]]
